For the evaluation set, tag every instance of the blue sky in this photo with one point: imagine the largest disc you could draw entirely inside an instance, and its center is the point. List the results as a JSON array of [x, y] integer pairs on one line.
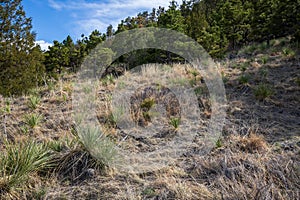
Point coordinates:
[[56, 19]]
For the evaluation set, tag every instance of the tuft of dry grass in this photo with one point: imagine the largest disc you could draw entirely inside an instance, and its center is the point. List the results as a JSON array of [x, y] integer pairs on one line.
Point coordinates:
[[253, 144]]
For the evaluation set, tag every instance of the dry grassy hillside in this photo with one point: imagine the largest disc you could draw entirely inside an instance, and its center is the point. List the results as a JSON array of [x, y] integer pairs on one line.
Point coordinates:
[[256, 157]]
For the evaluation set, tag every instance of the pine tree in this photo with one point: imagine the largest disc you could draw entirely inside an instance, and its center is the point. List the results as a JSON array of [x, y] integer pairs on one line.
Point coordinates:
[[95, 38], [20, 59], [56, 59], [172, 18], [109, 31]]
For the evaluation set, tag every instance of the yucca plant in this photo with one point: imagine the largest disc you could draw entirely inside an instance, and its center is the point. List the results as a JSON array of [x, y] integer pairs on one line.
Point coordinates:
[[33, 102], [263, 72], [24, 129], [219, 143], [7, 108], [248, 49], [97, 144], [264, 59], [33, 120], [90, 149], [195, 73], [198, 91], [288, 52], [263, 46], [20, 161], [148, 103], [109, 79], [174, 121]]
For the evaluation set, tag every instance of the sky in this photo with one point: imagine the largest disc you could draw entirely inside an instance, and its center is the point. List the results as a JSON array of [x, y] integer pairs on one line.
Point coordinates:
[[56, 19]]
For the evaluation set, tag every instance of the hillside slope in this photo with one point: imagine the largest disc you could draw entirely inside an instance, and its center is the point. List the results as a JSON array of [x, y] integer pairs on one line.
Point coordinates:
[[257, 156]]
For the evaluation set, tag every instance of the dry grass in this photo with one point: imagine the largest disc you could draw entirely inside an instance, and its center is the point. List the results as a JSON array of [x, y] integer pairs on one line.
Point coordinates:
[[258, 157], [253, 144], [235, 174]]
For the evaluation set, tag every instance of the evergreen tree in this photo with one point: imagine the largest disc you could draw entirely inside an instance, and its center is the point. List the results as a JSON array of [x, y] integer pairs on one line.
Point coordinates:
[[75, 55], [65, 56], [109, 31], [284, 16], [197, 20], [20, 59], [95, 38], [261, 25], [57, 58], [172, 18], [233, 20], [152, 22]]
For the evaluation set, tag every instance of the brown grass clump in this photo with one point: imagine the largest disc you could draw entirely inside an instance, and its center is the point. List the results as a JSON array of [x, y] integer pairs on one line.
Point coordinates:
[[172, 187], [243, 175], [253, 144]]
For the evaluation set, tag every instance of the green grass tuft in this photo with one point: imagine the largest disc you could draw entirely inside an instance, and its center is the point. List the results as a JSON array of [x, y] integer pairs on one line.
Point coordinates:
[[175, 122], [33, 102], [244, 79], [263, 91], [33, 120]]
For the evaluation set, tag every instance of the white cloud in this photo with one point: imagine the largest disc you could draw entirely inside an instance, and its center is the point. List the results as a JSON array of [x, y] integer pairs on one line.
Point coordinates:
[[87, 25], [91, 15], [43, 44]]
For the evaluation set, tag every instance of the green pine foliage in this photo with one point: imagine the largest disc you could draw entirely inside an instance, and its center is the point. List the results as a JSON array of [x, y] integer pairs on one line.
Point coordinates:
[[220, 26], [20, 59]]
